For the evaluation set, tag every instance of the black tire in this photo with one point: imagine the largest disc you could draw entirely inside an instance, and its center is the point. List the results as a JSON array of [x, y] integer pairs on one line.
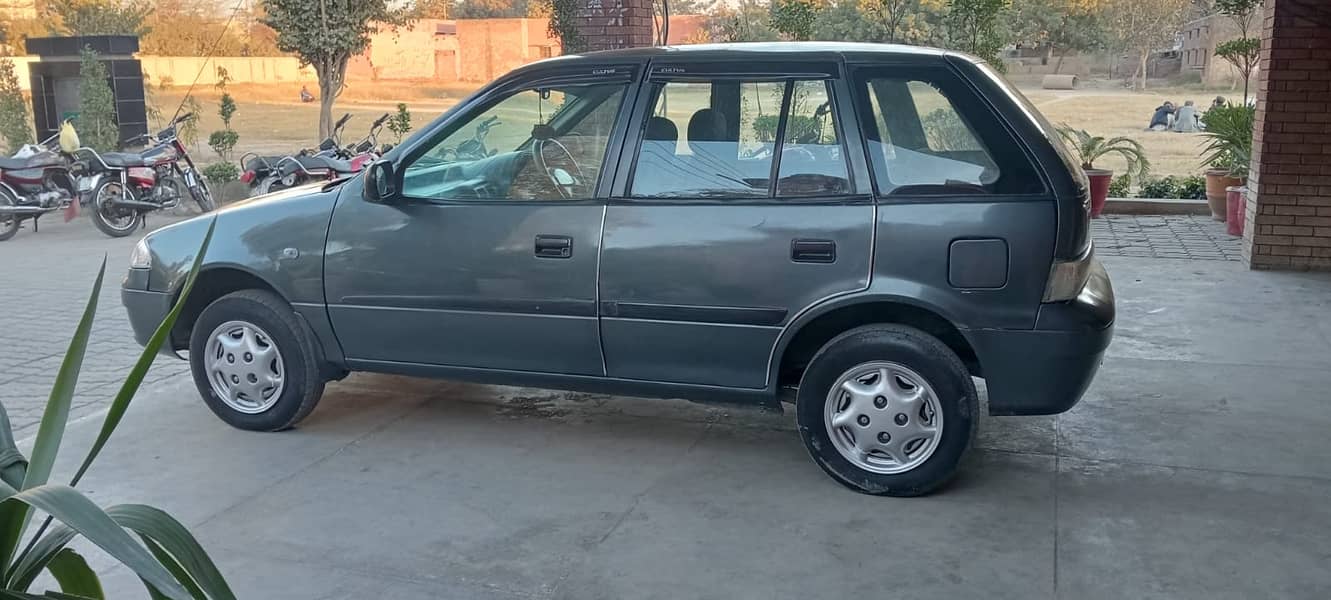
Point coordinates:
[[917, 351], [203, 197], [101, 217], [303, 382], [8, 224]]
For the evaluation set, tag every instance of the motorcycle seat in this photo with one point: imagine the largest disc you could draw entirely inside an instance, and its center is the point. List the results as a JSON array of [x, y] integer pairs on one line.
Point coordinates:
[[123, 159], [30, 162], [316, 163]]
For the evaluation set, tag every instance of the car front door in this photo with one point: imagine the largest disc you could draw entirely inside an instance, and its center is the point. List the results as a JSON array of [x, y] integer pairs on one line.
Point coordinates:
[[485, 256], [742, 208]]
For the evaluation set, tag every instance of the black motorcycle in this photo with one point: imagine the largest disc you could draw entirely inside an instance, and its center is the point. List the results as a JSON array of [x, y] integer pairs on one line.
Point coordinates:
[[120, 188], [33, 183], [330, 161]]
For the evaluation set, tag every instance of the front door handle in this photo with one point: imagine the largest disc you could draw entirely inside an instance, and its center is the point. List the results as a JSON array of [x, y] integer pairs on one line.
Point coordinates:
[[813, 251], [554, 246]]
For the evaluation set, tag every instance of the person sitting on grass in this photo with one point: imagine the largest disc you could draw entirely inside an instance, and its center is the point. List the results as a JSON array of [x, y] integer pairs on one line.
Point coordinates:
[[1161, 119], [1219, 102], [305, 95], [1186, 119]]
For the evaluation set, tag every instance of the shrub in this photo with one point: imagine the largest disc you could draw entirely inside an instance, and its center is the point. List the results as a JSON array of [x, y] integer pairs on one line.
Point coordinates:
[[1119, 186], [1192, 187], [400, 122], [1229, 138], [14, 127], [97, 105], [169, 560], [222, 173], [1090, 148], [1161, 187]]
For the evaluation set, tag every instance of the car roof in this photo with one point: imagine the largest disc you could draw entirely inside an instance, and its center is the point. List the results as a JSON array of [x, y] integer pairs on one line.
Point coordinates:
[[751, 51]]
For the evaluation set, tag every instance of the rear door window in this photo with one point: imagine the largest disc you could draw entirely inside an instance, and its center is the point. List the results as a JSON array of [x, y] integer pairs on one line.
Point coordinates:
[[719, 139], [930, 135]]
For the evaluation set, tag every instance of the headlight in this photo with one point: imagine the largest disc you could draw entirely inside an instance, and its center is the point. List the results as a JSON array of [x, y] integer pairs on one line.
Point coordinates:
[[141, 258]]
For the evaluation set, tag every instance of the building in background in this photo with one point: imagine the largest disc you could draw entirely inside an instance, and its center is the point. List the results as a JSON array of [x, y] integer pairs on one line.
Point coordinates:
[[1199, 37]]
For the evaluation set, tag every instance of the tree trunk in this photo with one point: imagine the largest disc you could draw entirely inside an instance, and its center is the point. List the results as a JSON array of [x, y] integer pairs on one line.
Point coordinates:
[[1146, 57], [1059, 65], [332, 75]]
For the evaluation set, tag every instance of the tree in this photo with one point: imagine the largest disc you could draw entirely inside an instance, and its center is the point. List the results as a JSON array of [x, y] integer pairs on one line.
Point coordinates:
[[1143, 26], [98, 17], [1060, 26], [325, 34], [14, 125], [564, 25], [1243, 52], [491, 9], [795, 18], [96, 122], [973, 26], [432, 9], [745, 21]]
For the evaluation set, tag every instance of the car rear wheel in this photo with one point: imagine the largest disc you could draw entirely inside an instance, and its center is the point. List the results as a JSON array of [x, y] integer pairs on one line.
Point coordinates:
[[254, 363], [887, 410]]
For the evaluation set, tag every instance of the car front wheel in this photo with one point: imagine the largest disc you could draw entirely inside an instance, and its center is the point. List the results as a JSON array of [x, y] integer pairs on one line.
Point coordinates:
[[887, 410], [253, 362]]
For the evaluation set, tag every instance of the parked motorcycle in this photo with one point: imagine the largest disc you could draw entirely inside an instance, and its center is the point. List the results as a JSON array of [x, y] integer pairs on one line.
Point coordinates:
[[36, 181], [330, 161], [122, 187]]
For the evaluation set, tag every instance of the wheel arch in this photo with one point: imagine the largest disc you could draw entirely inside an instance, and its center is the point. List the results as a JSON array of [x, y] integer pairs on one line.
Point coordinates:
[[214, 281], [817, 326]]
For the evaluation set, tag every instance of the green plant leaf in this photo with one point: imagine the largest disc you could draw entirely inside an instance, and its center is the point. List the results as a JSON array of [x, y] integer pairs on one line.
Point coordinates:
[[70, 507], [13, 465], [130, 387], [75, 576], [14, 516], [35, 558], [166, 533], [174, 567]]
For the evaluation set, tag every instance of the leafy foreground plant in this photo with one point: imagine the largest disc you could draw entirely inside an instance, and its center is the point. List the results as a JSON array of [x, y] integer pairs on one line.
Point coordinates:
[[169, 560]]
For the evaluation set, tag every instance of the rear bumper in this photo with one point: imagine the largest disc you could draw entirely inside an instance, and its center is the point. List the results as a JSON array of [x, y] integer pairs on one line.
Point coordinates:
[[146, 311], [1045, 370]]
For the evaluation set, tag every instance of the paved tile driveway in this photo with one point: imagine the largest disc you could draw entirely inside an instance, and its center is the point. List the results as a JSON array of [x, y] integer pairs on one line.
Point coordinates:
[[1167, 236]]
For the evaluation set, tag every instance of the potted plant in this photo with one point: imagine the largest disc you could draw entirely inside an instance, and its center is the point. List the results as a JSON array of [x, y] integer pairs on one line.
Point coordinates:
[[1227, 152], [1090, 148]]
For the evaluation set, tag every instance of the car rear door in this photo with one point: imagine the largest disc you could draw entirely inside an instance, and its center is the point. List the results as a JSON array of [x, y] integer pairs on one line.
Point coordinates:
[[742, 207]]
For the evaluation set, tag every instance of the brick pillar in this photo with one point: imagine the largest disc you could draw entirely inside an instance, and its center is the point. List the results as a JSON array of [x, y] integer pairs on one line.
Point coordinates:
[[611, 24], [1288, 223]]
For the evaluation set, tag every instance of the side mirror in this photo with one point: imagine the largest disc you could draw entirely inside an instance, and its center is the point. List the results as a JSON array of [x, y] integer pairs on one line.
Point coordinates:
[[380, 186]]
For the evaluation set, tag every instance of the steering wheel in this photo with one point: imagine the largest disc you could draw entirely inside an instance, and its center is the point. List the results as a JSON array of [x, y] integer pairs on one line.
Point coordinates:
[[563, 181]]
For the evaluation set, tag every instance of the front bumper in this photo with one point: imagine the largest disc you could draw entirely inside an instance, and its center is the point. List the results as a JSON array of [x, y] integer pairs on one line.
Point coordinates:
[[1045, 370], [146, 311]]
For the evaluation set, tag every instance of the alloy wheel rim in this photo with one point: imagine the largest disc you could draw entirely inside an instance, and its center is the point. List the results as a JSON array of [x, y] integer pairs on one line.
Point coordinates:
[[883, 417], [244, 367]]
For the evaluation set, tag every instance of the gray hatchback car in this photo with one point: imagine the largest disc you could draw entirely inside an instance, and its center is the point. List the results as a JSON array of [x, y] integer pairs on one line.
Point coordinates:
[[860, 229]]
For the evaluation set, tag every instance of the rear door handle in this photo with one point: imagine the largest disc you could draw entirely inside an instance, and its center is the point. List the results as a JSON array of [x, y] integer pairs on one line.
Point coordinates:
[[554, 246], [813, 251]]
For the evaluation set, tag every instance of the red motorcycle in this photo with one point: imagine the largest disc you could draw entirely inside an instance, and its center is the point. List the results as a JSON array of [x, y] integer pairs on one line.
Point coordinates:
[[36, 181], [120, 188]]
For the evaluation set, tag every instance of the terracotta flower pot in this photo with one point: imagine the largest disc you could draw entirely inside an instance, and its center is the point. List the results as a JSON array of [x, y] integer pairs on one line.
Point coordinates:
[[1099, 189], [1236, 204], [1216, 182]]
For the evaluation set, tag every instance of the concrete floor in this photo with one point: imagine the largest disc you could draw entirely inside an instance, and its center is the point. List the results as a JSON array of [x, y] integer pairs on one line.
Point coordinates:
[[1196, 467]]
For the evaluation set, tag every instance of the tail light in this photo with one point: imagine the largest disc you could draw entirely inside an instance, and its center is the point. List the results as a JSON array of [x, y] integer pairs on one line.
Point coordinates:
[[247, 177], [1068, 277]]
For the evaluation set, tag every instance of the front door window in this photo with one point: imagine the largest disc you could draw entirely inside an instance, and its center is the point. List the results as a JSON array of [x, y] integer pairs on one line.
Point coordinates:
[[541, 143]]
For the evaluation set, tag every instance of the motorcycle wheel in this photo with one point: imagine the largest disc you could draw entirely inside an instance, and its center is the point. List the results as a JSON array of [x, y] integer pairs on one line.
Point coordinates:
[[113, 221], [203, 197], [8, 224]]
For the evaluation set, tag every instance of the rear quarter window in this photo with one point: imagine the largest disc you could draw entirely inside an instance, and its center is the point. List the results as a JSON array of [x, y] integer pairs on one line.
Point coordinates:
[[928, 133]]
